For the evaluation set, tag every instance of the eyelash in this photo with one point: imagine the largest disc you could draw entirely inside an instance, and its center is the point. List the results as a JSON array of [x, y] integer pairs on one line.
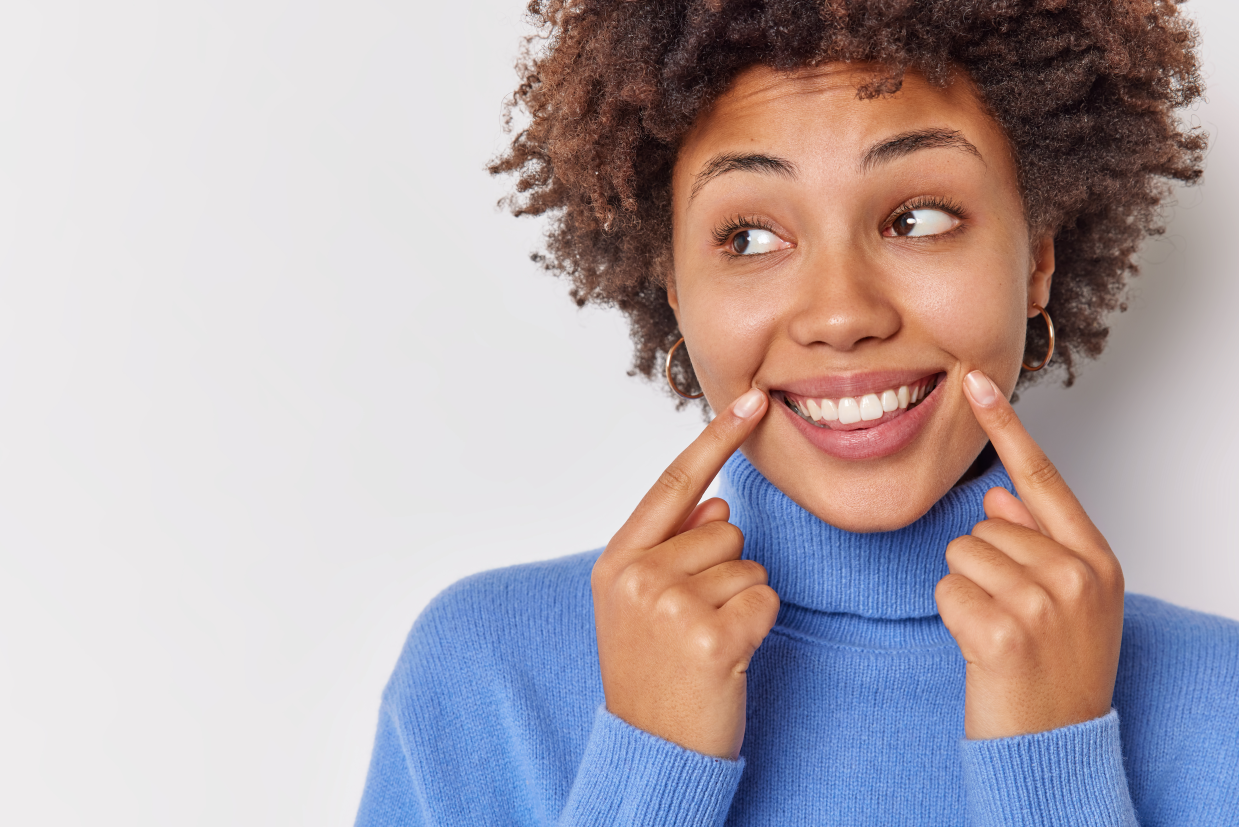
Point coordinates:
[[928, 202], [724, 232]]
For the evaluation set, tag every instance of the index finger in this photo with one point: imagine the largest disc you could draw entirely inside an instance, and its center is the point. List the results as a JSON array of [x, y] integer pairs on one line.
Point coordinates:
[[1040, 486], [664, 507]]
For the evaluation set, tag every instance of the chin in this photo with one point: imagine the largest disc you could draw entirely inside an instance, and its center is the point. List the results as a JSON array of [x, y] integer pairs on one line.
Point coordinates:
[[877, 504], [881, 507]]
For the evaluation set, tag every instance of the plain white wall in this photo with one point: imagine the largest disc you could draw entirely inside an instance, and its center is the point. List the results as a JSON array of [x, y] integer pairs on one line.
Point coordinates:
[[274, 371]]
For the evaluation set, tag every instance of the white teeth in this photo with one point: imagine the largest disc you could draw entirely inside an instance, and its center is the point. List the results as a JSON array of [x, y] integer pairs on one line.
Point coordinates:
[[849, 411], [870, 407]]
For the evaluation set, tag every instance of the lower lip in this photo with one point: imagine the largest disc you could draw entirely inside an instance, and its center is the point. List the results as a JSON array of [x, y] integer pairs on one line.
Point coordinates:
[[869, 443]]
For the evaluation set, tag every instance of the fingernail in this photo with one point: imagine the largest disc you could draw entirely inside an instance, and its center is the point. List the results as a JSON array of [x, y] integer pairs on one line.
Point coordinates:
[[981, 388], [747, 405]]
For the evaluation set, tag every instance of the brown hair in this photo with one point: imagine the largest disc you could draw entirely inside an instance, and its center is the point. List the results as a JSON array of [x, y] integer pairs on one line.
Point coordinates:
[[1086, 91]]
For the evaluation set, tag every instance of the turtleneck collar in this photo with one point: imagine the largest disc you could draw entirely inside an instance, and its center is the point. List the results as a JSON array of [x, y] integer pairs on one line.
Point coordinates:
[[887, 575]]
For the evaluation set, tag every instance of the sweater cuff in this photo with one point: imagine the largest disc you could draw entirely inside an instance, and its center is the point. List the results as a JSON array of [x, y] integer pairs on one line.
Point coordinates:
[[628, 776], [1068, 776]]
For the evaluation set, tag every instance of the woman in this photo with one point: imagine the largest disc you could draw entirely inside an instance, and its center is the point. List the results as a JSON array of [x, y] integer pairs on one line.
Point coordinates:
[[855, 228]]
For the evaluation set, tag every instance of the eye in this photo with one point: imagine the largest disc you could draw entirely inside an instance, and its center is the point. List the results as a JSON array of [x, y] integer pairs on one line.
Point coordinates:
[[922, 222], [753, 242]]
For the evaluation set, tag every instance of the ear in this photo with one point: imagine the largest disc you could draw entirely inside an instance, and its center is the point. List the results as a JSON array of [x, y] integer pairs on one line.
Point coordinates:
[[1042, 273], [673, 298]]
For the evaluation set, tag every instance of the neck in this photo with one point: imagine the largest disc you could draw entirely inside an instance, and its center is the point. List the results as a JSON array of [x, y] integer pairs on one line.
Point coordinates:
[[886, 574]]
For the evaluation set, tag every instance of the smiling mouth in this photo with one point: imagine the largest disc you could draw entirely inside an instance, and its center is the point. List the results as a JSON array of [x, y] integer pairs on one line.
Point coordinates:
[[850, 413]]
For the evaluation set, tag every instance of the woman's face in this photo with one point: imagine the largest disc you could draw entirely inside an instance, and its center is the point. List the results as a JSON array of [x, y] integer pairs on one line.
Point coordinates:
[[855, 259]]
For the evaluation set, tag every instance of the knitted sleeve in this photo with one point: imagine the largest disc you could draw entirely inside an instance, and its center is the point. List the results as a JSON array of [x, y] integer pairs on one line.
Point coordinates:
[[1068, 776], [628, 776]]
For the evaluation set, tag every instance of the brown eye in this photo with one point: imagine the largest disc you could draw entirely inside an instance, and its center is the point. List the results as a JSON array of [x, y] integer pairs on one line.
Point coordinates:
[[922, 222], [754, 242], [903, 224]]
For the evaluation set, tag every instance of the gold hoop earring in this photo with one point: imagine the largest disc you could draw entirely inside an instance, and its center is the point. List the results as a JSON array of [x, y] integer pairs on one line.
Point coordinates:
[[1049, 325], [671, 381]]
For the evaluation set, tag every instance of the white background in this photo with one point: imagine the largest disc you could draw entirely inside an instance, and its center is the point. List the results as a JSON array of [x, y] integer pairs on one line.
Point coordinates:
[[274, 371]]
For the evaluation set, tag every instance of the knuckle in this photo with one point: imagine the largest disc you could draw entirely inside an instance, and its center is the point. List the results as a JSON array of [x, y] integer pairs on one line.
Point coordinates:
[[724, 535], [759, 597], [953, 554], [675, 603], [1041, 472], [705, 643], [1074, 579], [1003, 417], [1036, 606], [638, 582], [733, 536], [767, 597], [991, 531], [738, 570], [724, 530], [943, 589], [948, 588], [763, 611], [956, 598], [754, 570], [1007, 638], [675, 481], [758, 607], [959, 548], [971, 548]]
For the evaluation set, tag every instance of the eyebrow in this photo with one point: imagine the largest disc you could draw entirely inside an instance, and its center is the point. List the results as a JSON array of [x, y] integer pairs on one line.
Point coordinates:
[[909, 142], [880, 153], [734, 162]]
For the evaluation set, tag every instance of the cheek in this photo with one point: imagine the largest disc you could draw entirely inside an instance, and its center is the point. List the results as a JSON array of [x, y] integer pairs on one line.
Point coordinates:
[[729, 329], [972, 310]]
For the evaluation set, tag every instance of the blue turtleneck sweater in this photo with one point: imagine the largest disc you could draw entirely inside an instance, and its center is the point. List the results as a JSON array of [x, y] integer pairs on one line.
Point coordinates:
[[495, 714]]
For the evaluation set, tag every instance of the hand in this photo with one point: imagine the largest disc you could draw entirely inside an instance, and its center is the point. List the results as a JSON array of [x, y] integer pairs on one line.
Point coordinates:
[[1035, 596], [678, 613]]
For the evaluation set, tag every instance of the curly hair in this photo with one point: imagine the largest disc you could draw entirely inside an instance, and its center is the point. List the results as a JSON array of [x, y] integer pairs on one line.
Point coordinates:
[[1085, 90]]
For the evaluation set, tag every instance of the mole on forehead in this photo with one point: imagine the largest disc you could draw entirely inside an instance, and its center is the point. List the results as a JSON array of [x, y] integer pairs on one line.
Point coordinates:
[[839, 82]]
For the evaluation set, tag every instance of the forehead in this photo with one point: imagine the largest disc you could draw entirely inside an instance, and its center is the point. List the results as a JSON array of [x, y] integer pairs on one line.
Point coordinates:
[[815, 116]]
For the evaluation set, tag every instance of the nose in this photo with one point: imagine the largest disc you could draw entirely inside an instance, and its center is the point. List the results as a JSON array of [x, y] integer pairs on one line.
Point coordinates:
[[842, 302]]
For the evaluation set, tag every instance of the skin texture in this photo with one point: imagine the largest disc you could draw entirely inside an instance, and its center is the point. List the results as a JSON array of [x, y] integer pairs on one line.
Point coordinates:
[[1035, 595]]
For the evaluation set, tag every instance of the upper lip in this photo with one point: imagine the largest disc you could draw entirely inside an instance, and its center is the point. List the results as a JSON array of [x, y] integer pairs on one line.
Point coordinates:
[[839, 385]]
